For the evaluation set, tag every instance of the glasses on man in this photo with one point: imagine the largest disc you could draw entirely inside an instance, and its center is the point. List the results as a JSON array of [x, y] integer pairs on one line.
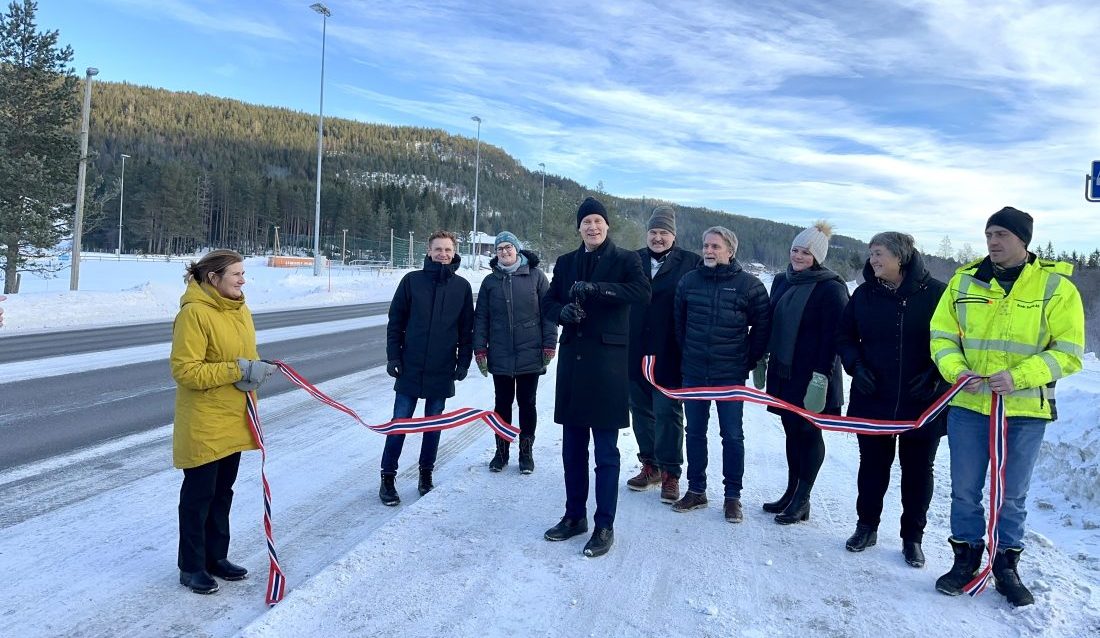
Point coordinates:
[[506, 248]]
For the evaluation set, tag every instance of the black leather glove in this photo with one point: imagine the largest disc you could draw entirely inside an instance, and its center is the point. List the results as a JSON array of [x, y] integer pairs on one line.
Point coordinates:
[[583, 290], [864, 380], [460, 373], [572, 313], [926, 385], [393, 368]]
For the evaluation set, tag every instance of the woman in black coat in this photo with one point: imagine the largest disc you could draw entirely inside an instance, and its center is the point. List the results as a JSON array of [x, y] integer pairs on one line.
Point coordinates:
[[514, 341], [807, 301], [883, 342]]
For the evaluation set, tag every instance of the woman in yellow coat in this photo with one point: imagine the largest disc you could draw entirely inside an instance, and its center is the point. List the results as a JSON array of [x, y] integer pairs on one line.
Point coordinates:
[[214, 363]]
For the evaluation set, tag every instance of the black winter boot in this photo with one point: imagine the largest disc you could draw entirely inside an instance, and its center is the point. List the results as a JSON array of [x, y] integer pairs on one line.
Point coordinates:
[[968, 558], [865, 536], [566, 528], [388, 491], [781, 504], [500, 459], [798, 510], [600, 543], [526, 454], [425, 484], [914, 555], [199, 582], [1008, 579]]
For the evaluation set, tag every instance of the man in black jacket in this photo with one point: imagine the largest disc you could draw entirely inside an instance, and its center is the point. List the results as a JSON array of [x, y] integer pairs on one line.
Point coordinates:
[[429, 345], [590, 296], [723, 322], [658, 421]]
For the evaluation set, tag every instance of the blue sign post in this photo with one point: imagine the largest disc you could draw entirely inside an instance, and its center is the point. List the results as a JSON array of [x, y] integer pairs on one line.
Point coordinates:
[[1092, 188]]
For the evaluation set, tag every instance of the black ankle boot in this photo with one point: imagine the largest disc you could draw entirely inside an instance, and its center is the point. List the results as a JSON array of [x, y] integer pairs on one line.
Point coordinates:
[[387, 492], [566, 528], [865, 536], [798, 510], [226, 570], [500, 459], [968, 558], [199, 582], [1008, 579], [781, 504], [425, 484], [914, 555], [602, 540], [526, 454]]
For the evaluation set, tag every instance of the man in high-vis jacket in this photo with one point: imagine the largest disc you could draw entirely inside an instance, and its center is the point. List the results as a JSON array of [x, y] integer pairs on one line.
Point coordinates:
[[1016, 323]]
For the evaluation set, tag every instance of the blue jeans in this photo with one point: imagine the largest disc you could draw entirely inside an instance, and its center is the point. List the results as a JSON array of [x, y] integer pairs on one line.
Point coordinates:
[[574, 457], [403, 407], [968, 437], [730, 428]]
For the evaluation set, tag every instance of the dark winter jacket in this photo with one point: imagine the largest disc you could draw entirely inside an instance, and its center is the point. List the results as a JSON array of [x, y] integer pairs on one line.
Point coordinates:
[[592, 384], [887, 331], [652, 330], [723, 321], [509, 322], [431, 329], [815, 349]]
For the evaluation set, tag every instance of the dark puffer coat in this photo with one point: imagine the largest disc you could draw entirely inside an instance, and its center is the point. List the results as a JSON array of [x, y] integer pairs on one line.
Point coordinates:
[[723, 322], [431, 329], [593, 383], [887, 331], [652, 330], [508, 319], [815, 349]]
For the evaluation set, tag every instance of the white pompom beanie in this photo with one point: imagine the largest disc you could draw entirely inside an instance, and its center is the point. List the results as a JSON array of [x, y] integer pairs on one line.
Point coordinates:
[[815, 239]]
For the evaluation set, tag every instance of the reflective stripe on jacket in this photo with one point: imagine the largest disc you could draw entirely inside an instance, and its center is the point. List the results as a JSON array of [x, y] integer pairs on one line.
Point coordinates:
[[1036, 331]]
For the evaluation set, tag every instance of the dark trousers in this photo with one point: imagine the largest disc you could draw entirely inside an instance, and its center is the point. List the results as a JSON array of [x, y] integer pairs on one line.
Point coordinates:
[[205, 499], [658, 424], [522, 389], [917, 453], [574, 456], [403, 407], [805, 448]]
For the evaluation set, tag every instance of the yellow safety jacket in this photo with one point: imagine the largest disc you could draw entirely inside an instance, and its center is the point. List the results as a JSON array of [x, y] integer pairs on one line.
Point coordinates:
[[1036, 331]]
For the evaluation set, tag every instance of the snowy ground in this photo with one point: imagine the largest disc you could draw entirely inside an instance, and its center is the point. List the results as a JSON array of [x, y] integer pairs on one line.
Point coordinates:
[[88, 540]]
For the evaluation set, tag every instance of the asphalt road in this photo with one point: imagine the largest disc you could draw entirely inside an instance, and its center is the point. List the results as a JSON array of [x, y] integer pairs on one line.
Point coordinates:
[[67, 342], [40, 418]]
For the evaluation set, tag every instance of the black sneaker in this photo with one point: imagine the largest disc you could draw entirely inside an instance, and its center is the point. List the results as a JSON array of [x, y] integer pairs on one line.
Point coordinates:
[[602, 540], [566, 528], [199, 582]]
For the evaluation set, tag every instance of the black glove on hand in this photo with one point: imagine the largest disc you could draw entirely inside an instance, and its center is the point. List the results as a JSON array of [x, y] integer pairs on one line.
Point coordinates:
[[572, 313], [926, 385], [253, 373], [864, 380], [583, 290], [393, 368], [460, 373]]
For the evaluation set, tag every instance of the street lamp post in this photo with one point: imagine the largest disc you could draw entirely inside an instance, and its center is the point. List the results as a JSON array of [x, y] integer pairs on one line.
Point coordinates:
[[277, 253], [542, 207], [82, 174], [344, 247], [121, 193], [477, 174], [317, 259]]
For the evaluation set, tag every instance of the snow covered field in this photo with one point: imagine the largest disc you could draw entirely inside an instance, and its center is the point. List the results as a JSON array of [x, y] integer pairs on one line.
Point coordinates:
[[88, 540]]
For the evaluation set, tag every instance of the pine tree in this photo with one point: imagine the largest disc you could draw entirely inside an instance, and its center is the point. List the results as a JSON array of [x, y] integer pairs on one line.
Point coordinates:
[[38, 151]]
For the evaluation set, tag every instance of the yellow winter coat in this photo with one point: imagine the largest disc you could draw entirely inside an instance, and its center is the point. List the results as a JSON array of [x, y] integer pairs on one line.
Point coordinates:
[[209, 333], [1036, 331]]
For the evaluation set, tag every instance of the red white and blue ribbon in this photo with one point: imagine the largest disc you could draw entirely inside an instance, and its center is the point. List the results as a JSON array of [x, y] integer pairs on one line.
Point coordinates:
[[998, 430], [276, 580]]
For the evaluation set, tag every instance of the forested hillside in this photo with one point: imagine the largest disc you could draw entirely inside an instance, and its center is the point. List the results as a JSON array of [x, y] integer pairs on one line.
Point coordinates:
[[207, 171]]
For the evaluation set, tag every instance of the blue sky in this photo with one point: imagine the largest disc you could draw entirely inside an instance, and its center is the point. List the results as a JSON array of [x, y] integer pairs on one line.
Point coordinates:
[[919, 116]]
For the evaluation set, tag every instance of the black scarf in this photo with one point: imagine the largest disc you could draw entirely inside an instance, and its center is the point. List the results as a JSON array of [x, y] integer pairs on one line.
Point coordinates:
[[586, 261], [788, 315]]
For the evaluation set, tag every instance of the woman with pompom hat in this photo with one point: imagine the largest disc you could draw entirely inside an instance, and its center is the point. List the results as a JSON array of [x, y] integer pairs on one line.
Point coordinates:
[[802, 367]]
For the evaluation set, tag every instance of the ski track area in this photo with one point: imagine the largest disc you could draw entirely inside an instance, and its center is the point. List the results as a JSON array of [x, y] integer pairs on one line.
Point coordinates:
[[88, 539]]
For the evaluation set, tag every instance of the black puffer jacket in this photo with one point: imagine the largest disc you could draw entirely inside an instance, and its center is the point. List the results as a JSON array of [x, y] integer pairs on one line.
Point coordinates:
[[815, 349], [887, 331], [652, 330], [723, 322], [431, 329], [508, 320]]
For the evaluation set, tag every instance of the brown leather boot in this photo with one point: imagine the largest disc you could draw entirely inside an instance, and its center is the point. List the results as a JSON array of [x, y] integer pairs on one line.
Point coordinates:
[[670, 488], [645, 479]]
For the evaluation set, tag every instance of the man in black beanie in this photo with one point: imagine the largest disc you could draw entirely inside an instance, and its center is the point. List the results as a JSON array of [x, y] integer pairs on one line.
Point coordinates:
[[658, 421], [590, 296]]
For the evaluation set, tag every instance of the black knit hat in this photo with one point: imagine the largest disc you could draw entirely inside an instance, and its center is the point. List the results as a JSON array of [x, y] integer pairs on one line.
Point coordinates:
[[591, 206], [1014, 221]]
